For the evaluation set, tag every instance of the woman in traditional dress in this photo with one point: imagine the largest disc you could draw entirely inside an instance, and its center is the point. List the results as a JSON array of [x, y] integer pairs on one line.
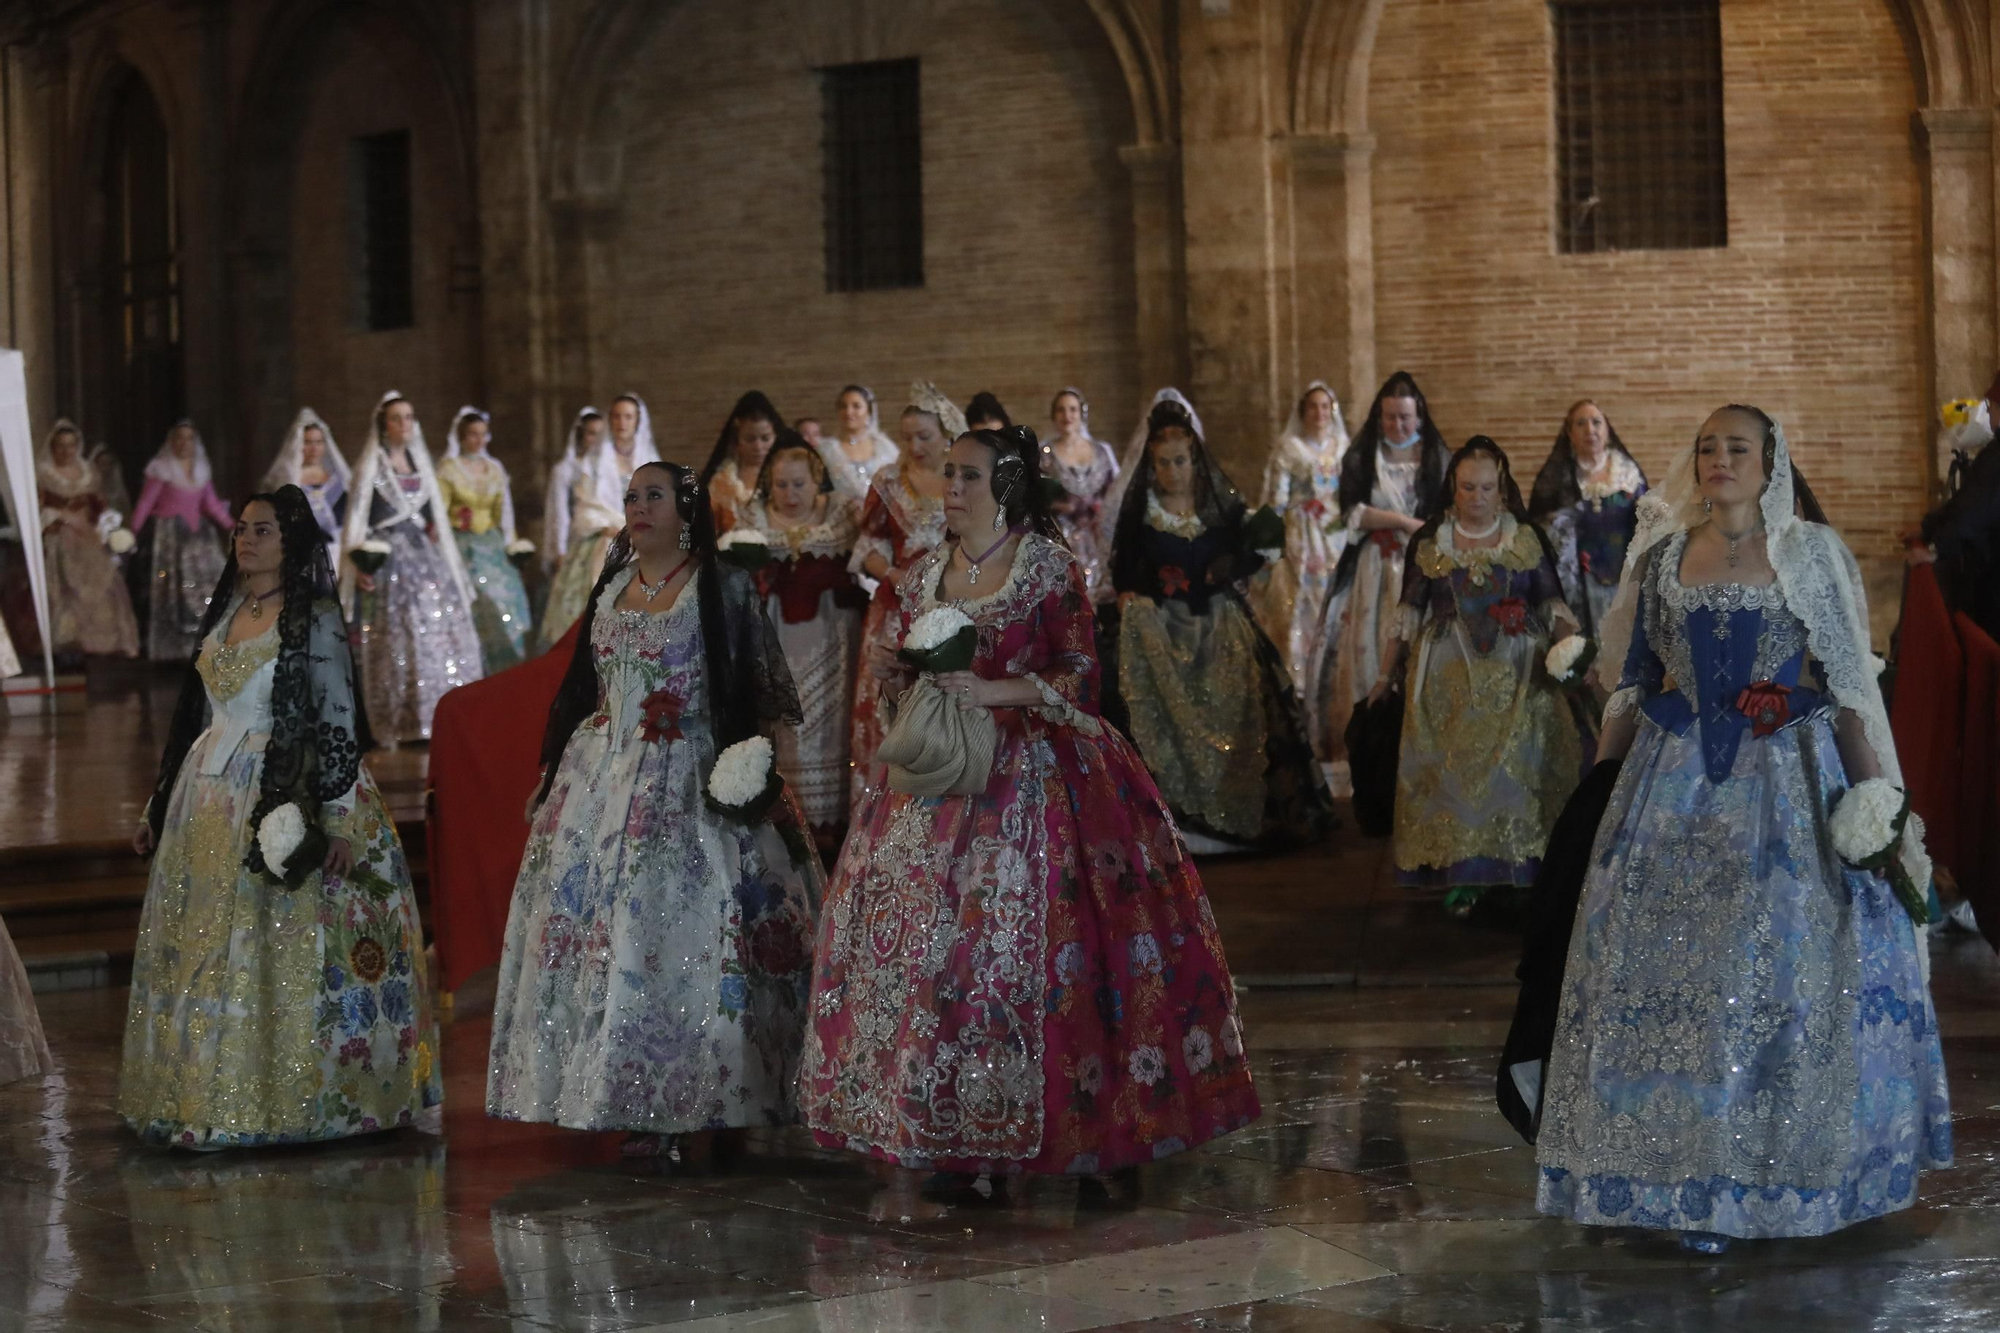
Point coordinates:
[[278, 985], [1086, 468], [1200, 688], [596, 505], [479, 498], [857, 448], [816, 607], [90, 610], [1027, 979], [415, 612], [730, 475], [186, 555], [1393, 472], [902, 521], [1586, 498], [659, 951], [311, 461], [1490, 748], [1746, 1044], [1302, 486]]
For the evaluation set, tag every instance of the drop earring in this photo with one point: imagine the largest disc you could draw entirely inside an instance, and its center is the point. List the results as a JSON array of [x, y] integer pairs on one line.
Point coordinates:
[[687, 537], [1707, 505], [1000, 518]]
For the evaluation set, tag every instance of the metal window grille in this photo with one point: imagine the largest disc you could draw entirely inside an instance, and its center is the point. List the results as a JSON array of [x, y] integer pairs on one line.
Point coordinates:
[[1639, 125], [384, 279], [874, 176]]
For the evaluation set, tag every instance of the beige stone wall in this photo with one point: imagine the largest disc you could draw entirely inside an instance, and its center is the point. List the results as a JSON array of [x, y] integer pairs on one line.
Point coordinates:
[[1814, 311], [710, 277]]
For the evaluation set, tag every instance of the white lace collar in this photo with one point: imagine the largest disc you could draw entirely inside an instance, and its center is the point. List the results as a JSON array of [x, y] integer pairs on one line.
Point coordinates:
[[1188, 526], [1624, 479]]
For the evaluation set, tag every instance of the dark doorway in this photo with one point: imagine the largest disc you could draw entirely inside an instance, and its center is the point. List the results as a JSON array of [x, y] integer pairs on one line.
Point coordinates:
[[141, 282]]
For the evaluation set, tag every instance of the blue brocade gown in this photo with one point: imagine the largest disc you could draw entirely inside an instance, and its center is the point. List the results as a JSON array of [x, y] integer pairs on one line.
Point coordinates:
[[1746, 1043]]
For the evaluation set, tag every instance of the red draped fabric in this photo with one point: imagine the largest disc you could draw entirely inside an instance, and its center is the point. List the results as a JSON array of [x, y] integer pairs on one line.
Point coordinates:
[[486, 750], [1979, 776], [1928, 715]]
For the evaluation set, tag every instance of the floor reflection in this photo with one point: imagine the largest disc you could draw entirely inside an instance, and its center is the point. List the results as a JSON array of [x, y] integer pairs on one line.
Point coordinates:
[[1380, 1191]]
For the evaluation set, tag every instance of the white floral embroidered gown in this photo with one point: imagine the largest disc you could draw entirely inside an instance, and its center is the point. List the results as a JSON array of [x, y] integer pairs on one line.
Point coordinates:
[[658, 954]]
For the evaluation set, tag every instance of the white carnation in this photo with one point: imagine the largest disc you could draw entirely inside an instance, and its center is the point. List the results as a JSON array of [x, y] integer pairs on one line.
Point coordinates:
[[280, 834], [1864, 820], [109, 522], [520, 546], [935, 628], [741, 772], [374, 545], [1271, 554], [1562, 657], [121, 541], [740, 537], [1878, 663]]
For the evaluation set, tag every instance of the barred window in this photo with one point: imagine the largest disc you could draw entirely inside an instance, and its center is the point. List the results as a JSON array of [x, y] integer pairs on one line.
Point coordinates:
[[1639, 147], [874, 176], [379, 197]]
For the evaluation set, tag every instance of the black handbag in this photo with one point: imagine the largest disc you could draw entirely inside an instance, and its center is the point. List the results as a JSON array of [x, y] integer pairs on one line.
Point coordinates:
[[1374, 741]]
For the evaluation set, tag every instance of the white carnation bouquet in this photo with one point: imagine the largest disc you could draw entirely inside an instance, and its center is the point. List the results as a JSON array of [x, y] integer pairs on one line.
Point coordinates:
[[745, 548], [744, 783], [1874, 829], [370, 556], [1568, 662], [291, 846], [520, 551], [940, 640]]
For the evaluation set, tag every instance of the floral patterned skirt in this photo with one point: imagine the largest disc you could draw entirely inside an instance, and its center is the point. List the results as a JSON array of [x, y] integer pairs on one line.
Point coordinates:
[[658, 955], [90, 609], [500, 612], [1026, 980], [1746, 1042], [417, 637], [569, 590], [1489, 754], [265, 1015], [881, 625], [186, 566]]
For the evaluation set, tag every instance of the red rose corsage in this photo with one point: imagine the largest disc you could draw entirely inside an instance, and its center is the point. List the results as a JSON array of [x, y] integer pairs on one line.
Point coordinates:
[[1764, 703], [1174, 580], [662, 710], [1388, 541], [1511, 613]]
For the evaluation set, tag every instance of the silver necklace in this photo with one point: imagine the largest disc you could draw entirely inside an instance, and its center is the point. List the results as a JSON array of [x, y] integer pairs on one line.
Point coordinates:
[[1734, 537]]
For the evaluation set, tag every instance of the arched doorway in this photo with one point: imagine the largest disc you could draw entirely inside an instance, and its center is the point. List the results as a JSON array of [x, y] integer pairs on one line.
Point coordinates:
[[138, 313]]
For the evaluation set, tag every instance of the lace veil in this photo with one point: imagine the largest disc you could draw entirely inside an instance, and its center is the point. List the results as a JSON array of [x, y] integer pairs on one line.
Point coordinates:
[[168, 468], [361, 502], [284, 470], [1135, 449]]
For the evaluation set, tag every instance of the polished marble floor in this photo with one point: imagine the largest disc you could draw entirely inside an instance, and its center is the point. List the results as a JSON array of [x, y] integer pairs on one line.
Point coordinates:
[[1380, 1192]]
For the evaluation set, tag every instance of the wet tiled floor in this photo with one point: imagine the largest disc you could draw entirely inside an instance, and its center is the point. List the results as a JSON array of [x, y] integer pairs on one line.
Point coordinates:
[[1381, 1191]]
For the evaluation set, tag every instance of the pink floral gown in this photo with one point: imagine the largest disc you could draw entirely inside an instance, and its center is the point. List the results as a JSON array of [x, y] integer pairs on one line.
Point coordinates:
[[1029, 979]]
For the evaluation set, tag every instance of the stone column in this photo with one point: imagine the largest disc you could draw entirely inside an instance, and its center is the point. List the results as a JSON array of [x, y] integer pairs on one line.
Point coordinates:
[[1333, 266], [1157, 261], [1231, 76], [1957, 144]]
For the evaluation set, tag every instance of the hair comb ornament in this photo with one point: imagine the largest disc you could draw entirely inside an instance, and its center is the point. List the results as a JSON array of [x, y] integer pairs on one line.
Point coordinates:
[[927, 397]]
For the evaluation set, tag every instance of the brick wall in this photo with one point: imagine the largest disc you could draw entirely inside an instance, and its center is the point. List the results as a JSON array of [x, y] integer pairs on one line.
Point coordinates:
[[1814, 311], [365, 82], [715, 280]]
